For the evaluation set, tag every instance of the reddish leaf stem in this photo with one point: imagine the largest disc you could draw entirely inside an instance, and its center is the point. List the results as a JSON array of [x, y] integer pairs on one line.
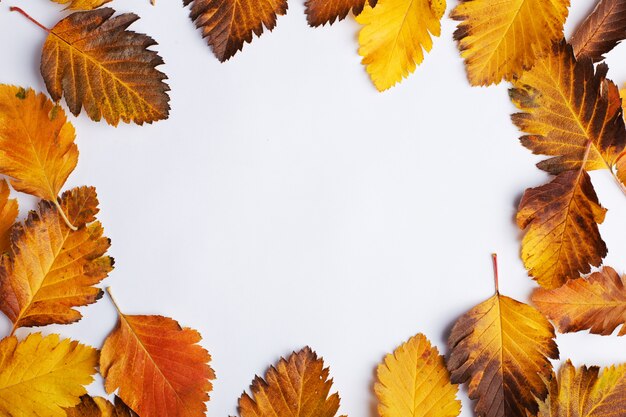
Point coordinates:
[[494, 258], [29, 17]]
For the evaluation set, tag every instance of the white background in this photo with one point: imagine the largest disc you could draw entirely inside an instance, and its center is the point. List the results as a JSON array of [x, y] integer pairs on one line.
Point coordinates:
[[287, 203]]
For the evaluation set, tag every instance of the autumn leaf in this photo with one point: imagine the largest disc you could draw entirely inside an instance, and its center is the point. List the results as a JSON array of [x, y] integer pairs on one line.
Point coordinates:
[[298, 386], [96, 63], [395, 36], [501, 40], [565, 105], [228, 24], [585, 392], [597, 303], [82, 4], [620, 166], [37, 148], [502, 348], [158, 367], [320, 12], [100, 407], [601, 31], [8, 214], [414, 381], [52, 269], [40, 376]]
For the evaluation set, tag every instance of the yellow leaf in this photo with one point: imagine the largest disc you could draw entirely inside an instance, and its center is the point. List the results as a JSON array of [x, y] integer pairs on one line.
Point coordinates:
[[414, 381], [51, 268], [42, 375], [585, 392], [502, 39], [296, 387], [37, 146], [395, 36], [8, 214], [82, 4]]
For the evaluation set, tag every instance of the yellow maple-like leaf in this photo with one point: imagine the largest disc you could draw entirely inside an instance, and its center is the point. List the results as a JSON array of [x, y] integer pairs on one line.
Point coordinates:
[[503, 349], [297, 387], [40, 376], [586, 392], [8, 214], [37, 148], [499, 40], [414, 381], [52, 269], [100, 407], [82, 4], [395, 36], [158, 367], [96, 63], [596, 303]]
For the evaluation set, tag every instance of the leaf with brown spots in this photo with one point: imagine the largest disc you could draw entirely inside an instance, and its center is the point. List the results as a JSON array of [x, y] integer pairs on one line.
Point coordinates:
[[601, 31], [100, 407]]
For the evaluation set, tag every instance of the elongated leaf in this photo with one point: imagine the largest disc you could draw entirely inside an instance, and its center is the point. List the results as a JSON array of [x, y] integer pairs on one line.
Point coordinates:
[[601, 31]]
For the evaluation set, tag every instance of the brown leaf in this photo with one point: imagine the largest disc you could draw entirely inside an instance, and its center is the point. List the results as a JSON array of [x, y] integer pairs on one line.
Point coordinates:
[[228, 24], [296, 387], [601, 31], [320, 12], [96, 63], [100, 407]]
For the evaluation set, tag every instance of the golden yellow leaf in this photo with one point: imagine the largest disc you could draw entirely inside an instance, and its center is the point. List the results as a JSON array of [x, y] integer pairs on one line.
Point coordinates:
[[96, 63], [585, 392], [8, 214], [502, 348], [82, 4], [596, 303], [414, 381], [158, 367], [100, 407], [228, 24], [320, 12], [296, 387], [37, 146], [51, 268], [395, 36], [502, 39], [40, 376]]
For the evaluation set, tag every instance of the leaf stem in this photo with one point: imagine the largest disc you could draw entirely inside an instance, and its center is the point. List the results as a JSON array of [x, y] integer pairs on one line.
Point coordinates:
[[29, 17], [117, 307], [13, 329], [494, 258], [62, 213]]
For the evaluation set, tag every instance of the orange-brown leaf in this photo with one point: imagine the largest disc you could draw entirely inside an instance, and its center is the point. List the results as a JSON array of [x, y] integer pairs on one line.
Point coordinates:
[[597, 303], [8, 214], [52, 269], [37, 146], [601, 31], [320, 12], [502, 347], [96, 63], [228, 24], [565, 104], [158, 367], [296, 387], [100, 407], [82, 4], [562, 238]]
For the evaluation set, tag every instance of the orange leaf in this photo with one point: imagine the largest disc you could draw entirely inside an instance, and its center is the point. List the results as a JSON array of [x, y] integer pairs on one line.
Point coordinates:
[[8, 214], [82, 4], [96, 63], [228, 24], [597, 303], [320, 12], [296, 387], [37, 146], [52, 269], [158, 366], [601, 31]]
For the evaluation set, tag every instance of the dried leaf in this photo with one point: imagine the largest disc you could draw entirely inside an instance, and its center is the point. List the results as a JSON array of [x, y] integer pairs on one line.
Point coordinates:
[[158, 367], [37, 146], [414, 381], [586, 393], [82, 4], [601, 31], [566, 104], [395, 36], [52, 269], [296, 387], [100, 407], [320, 12], [501, 40], [96, 63], [8, 214], [40, 376], [502, 347], [228, 24], [597, 303]]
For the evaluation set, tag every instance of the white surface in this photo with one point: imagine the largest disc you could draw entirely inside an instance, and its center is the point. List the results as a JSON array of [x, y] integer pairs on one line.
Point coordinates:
[[285, 202]]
